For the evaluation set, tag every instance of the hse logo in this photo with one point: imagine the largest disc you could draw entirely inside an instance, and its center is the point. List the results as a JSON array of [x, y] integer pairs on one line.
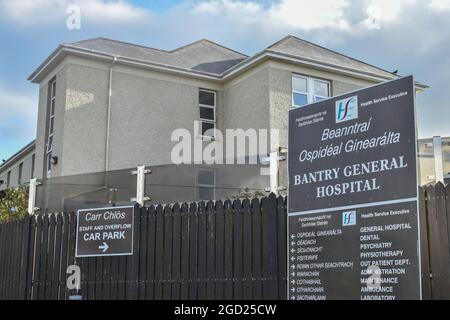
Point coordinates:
[[348, 218], [347, 109]]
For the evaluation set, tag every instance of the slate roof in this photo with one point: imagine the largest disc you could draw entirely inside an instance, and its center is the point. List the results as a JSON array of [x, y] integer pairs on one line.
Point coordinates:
[[298, 47], [203, 55], [205, 58]]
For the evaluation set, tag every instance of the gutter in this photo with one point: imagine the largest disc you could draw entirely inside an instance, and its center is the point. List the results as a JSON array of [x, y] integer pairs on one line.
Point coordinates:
[[122, 59]]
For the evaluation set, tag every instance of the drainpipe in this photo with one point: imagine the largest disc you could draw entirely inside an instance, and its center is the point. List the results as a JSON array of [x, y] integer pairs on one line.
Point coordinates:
[[108, 117]]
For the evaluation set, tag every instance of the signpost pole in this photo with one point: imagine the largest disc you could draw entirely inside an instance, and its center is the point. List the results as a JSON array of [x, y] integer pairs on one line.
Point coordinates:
[[274, 168], [140, 185]]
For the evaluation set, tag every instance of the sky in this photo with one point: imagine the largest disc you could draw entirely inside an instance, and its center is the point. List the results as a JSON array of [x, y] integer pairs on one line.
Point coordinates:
[[412, 36]]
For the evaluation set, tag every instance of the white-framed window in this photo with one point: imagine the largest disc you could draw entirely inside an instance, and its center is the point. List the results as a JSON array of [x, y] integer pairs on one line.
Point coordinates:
[[33, 163], [51, 125], [207, 101], [206, 183], [20, 173], [306, 90], [8, 179]]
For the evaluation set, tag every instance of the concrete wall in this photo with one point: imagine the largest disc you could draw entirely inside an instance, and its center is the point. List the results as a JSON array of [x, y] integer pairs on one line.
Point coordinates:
[[145, 111], [60, 73], [245, 104], [84, 119], [146, 107]]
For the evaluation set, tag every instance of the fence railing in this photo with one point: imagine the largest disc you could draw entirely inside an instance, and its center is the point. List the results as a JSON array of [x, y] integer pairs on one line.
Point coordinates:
[[213, 250]]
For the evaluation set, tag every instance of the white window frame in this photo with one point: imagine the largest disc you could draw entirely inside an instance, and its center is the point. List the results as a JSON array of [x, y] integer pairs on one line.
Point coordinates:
[[50, 119], [19, 178], [214, 108], [33, 163], [310, 94], [8, 179], [203, 185]]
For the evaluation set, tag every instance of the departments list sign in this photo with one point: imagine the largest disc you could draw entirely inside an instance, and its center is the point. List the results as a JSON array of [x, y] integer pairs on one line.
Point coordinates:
[[105, 232], [352, 205]]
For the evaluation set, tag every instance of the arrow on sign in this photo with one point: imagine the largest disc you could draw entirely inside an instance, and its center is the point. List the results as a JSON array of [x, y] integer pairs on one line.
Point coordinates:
[[292, 243], [292, 236], [103, 247]]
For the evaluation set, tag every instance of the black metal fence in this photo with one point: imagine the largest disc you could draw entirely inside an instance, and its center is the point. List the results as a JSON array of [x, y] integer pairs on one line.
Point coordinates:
[[214, 250], [220, 250]]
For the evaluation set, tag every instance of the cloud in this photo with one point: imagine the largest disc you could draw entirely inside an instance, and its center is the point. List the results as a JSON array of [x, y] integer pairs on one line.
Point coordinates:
[[227, 7], [306, 14], [311, 15], [302, 14], [18, 115], [409, 35], [98, 12], [389, 10], [440, 4]]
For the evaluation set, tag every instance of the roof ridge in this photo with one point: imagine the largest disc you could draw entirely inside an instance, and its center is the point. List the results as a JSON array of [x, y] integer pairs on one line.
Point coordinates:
[[209, 41], [282, 40], [330, 50], [123, 42]]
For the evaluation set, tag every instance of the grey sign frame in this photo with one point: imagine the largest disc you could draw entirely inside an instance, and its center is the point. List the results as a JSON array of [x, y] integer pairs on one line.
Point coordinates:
[[388, 202], [130, 253]]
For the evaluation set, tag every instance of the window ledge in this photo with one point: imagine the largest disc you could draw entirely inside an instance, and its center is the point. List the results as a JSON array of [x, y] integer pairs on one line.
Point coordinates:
[[207, 138]]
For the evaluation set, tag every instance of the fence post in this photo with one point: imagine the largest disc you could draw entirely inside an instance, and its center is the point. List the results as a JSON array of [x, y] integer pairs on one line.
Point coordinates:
[[274, 159], [140, 185]]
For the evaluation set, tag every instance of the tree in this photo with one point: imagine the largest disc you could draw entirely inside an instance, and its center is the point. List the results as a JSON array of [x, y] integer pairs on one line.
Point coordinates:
[[13, 204]]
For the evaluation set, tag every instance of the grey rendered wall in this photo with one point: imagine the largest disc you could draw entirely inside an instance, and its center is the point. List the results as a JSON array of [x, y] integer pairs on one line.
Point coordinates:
[[145, 110], [41, 143], [280, 103], [144, 114], [245, 104], [84, 114], [27, 169], [340, 87]]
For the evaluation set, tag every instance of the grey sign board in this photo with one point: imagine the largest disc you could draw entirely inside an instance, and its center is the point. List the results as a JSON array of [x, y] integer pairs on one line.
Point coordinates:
[[105, 232], [352, 203]]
